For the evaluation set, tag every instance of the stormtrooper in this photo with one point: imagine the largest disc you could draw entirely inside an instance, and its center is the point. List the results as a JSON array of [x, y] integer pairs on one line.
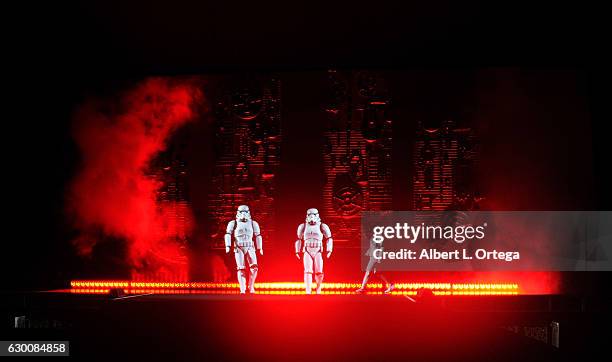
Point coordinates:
[[371, 269], [310, 244], [243, 229]]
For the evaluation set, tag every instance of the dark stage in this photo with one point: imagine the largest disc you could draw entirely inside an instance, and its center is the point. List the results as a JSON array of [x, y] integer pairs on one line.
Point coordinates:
[[140, 131], [329, 328]]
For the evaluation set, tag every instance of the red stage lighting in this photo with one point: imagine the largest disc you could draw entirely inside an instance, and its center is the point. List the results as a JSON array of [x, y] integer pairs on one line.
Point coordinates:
[[288, 288]]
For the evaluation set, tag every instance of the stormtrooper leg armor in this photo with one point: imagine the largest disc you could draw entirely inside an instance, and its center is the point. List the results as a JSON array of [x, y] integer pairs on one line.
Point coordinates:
[[240, 254], [308, 262], [313, 258], [318, 264], [371, 269], [310, 235], [243, 229], [252, 259]]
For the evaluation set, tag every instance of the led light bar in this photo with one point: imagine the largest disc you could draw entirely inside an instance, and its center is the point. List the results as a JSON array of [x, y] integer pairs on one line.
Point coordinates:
[[286, 288]]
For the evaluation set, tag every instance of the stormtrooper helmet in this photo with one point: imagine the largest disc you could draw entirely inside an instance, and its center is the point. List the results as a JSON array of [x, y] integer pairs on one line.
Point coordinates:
[[243, 214], [312, 216]]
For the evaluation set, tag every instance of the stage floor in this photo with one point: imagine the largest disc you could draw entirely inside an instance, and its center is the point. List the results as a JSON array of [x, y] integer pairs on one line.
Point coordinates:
[[313, 327]]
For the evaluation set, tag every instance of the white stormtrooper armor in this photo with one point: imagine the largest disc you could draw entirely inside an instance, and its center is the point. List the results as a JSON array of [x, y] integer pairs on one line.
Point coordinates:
[[371, 269], [243, 229], [310, 243]]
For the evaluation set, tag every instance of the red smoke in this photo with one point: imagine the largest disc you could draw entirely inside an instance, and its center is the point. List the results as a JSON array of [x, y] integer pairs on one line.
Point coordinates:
[[112, 193]]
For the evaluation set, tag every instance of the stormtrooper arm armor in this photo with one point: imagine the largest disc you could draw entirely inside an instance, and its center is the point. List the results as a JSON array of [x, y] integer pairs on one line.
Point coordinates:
[[370, 250], [257, 234], [228, 234], [373, 247], [300, 236], [327, 234]]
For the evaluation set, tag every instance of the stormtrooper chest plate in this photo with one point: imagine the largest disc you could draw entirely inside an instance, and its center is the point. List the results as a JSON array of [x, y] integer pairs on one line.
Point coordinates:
[[313, 232], [244, 230]]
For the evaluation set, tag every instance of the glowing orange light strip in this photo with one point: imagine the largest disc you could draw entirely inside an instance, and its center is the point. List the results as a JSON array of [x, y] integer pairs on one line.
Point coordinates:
[[287, 288]]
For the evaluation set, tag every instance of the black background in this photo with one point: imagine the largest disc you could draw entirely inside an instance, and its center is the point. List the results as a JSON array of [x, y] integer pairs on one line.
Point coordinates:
[[61, 52]]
